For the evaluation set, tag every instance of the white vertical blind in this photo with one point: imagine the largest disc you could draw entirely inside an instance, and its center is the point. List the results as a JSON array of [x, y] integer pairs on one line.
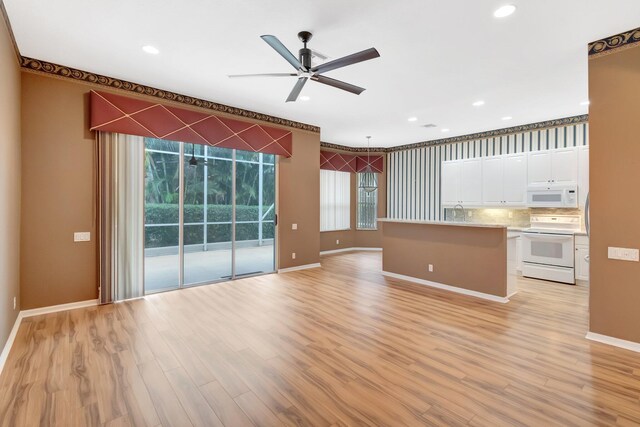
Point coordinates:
[[335, 200]]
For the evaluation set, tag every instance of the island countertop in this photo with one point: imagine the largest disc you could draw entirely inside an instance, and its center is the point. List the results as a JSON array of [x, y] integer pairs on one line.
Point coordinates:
[[452, 223]]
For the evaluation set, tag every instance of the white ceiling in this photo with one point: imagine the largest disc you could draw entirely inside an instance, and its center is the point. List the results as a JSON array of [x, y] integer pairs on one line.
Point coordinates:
[[437, 57]]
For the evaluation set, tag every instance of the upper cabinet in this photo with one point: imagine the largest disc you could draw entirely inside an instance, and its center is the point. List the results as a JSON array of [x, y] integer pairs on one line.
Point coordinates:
[[462, 182], [504, 180], [583, 175], [553, 167]]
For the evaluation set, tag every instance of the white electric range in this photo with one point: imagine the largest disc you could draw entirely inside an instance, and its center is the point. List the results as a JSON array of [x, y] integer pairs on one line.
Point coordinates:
[[548, 247]]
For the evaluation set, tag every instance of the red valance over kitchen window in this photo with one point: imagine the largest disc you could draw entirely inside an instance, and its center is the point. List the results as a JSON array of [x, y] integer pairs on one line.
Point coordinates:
[[349, 162], [121, 114]]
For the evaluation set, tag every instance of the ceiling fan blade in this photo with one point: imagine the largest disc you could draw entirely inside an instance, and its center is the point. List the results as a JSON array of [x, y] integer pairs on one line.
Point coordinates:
[[339, 84], [282, 50], [354, 58], [263, 75], [293, 96]]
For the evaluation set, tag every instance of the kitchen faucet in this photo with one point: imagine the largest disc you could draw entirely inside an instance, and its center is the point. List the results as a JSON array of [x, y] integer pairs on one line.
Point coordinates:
[[455, 210]]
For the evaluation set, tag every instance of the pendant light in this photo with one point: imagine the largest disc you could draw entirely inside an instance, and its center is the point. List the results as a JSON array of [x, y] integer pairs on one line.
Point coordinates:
[[193, 161], [368, 181]]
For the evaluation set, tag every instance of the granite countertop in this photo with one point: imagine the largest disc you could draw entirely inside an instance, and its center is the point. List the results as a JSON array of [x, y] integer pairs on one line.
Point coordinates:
[[451, 223]]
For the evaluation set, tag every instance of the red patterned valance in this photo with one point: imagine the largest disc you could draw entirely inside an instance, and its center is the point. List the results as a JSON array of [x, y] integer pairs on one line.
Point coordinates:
[[349, 162], [116, 113]]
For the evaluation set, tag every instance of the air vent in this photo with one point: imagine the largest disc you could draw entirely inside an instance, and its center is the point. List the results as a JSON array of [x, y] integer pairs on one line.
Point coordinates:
[[429, 125]]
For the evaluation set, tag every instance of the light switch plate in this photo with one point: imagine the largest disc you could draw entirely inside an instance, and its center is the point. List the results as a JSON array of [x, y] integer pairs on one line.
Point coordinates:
[[624, 254], [82, 236], [294, 226]]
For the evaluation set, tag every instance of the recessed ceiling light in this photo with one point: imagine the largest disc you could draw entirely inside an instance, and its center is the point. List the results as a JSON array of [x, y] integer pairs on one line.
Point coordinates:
[[304, 98], [504, 11], [412, 119], [151, 50], [507, 118], [445, 130], [585, 103], [478, 104]]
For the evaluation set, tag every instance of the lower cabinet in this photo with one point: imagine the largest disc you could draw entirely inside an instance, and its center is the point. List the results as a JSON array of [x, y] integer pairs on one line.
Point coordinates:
[[519, 254], [581, 258]]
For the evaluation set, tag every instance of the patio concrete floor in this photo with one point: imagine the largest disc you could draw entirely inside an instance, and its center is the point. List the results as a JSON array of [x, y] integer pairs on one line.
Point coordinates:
[[161, 272]]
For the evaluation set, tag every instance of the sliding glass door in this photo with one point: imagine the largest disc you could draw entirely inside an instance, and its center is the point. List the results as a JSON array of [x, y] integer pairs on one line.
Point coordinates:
[[212, 220]]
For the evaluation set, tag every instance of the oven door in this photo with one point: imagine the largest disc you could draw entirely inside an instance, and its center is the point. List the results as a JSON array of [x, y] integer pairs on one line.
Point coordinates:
[[548, 249]]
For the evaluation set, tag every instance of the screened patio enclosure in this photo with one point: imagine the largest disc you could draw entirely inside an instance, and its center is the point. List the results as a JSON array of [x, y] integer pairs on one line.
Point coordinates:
[[209, 214]]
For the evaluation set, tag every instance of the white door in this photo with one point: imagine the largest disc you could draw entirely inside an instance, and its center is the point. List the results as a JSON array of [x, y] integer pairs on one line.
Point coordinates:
[[583, 175], [471, 182], [519, 253], [539, 168], [450, 183], [582, 265], [492, 181], [564, 166], [515, 180]]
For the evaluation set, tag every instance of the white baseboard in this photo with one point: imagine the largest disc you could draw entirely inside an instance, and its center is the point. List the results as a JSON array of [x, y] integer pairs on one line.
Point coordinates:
[[616, 342], [450, 288], [35, 312], [7, 346], [299, 267], [57, 308], [337, 251]]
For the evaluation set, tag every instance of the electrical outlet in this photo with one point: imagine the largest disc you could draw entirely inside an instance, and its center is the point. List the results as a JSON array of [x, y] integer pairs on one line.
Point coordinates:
[[82, 236], [469, 214], [510, 214], [337, 242], [293, 255], [623, 254], [15, 303], [430, 268], [294, 226]]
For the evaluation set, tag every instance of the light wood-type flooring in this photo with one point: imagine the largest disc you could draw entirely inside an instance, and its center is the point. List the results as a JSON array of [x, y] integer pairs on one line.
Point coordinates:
[[335, 346]]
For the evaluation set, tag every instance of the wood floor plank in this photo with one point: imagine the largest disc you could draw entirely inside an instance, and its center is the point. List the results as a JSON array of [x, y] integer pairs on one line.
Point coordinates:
[[224, 406], [337, 346]]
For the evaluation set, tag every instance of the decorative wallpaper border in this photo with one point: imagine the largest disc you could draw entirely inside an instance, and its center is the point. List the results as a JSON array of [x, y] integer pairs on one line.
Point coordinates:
[[549, 124], [619, 41], [44, 67]]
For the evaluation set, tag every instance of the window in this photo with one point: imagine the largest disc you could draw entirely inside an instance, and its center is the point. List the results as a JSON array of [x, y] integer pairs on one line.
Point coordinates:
[[367, 214], [335, 200]]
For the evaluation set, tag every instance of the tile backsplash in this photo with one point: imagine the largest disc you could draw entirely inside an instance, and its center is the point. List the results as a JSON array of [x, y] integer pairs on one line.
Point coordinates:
[[511, 217]]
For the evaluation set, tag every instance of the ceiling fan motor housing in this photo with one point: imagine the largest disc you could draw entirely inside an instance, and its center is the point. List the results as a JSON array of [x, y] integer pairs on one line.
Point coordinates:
[[305, 57]]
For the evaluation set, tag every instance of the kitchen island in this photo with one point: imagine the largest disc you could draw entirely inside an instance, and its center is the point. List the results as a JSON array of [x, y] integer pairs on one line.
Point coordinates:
[[472, 259]]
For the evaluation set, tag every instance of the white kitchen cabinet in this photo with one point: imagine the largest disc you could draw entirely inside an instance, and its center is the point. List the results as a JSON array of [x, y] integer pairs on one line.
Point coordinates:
[[581, 254], [504, 180], [558, 166], [462, 182], [564, 166], [539, 168], [519, 254], [493, 181], [471, 182], [450, 192], [583, 175]]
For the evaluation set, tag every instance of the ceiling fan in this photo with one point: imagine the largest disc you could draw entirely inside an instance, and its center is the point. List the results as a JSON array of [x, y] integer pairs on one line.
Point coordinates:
[[305, 70]]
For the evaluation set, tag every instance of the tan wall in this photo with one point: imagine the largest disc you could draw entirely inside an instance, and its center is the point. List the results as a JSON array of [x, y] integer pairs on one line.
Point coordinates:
[[9, 183], [59, 194], [614, 176], [299, 202], [353, 237], [473, 258]]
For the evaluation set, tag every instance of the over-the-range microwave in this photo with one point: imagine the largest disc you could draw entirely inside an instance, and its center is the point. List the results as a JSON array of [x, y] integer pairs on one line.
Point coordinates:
[[553, 196]]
